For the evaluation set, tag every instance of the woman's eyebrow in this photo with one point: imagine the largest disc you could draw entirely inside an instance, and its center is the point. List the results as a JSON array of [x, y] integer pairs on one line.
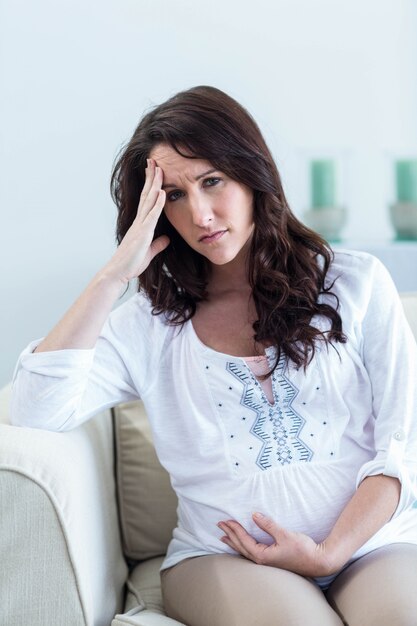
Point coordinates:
[[196, 178]]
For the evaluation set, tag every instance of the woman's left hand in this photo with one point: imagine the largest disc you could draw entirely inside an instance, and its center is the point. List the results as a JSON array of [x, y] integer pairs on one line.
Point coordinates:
[[290, 550]]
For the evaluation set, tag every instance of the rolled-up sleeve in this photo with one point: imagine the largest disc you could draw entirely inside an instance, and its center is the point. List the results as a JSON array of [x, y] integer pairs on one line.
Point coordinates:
[[59, 390], [389, 353]]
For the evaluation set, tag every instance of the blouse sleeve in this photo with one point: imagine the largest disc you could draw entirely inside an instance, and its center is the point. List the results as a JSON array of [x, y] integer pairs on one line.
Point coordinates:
[[389, 354], [59, 390]]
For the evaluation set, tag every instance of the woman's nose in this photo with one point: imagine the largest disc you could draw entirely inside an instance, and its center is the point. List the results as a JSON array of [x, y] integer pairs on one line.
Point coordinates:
[[201, 210]]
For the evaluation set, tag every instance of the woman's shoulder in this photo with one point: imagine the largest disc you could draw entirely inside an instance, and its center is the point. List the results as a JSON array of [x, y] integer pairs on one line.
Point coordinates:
[[358, 279], [352, 261], [356, 272], [135, 315]]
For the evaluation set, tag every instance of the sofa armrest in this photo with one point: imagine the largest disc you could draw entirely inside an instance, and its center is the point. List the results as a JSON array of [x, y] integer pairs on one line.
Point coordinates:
[[60, 547]]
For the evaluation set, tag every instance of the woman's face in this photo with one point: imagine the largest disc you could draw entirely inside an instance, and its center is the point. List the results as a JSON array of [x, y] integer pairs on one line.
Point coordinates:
[[201, 201]]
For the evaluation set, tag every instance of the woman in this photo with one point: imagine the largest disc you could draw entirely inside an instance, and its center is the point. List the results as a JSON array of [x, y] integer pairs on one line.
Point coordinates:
[[278, 377]]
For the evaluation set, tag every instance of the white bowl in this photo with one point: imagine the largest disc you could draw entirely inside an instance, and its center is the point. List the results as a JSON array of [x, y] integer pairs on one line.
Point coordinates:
[[327, 221], [404, 219]]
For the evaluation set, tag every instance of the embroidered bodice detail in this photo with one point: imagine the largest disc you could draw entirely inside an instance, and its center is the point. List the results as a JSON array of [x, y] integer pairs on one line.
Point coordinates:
[[276, 425]]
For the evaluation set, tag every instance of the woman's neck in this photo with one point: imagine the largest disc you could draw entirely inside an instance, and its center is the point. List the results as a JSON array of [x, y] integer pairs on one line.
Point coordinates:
[[231, 277]]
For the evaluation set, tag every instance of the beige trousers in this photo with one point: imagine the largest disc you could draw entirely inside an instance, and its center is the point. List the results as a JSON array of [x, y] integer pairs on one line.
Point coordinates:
[[380, 589]]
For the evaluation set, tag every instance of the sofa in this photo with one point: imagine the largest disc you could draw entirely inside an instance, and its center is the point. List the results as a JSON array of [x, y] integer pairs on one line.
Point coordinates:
[[86, 517]]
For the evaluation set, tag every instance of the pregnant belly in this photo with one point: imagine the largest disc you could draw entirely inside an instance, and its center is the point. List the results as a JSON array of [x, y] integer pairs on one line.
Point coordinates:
[[307, 497]]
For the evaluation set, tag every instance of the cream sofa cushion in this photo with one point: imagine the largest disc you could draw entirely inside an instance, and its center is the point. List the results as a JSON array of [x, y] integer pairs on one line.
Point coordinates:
[[144, 604], [144, 587], [147, 502]]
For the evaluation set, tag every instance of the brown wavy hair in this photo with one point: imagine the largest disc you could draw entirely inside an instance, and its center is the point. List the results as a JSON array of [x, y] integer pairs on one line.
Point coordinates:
[[287, 262]]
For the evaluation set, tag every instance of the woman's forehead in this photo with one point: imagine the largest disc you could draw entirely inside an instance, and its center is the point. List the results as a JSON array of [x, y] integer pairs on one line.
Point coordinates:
[[170, 161]]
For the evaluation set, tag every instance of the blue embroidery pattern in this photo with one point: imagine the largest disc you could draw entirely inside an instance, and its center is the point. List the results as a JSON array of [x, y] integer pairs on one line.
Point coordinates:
[[277, 426]]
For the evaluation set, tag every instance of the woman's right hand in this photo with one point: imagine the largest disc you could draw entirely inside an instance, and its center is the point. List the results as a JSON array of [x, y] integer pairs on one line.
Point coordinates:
[[136, 250], [82, 323]]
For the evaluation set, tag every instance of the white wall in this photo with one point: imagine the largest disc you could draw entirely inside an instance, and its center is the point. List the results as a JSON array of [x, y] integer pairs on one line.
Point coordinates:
[[76, 76]]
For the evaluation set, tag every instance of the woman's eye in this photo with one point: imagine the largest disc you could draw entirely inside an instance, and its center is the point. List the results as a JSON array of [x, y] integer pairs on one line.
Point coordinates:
[[216, 180], [172, 197]]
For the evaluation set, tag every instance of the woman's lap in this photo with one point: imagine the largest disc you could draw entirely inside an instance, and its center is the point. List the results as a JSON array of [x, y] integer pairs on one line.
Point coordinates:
[[220, 590], [226, 590]]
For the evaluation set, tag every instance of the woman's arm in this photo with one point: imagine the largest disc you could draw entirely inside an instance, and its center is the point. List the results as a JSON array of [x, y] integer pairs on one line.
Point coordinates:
[[81, 325], [372, 506], [84, 365]]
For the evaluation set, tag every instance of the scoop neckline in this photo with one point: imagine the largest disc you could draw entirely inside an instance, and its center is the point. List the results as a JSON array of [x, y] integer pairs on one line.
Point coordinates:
[[223, 355]]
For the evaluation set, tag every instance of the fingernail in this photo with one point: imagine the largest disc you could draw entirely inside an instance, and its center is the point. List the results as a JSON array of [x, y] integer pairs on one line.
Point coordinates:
[[259, 515]]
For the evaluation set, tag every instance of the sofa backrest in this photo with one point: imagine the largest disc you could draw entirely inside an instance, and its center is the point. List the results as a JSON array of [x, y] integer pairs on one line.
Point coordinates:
[[147, 502]]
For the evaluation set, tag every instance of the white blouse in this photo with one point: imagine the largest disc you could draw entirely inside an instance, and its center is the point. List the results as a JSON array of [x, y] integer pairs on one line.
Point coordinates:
[[231, 448]]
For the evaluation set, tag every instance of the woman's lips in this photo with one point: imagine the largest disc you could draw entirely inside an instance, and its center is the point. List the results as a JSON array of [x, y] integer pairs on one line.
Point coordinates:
[[214, 237]]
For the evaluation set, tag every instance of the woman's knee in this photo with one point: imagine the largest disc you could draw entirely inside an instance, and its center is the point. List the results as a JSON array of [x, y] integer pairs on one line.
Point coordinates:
[[378, 589]]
